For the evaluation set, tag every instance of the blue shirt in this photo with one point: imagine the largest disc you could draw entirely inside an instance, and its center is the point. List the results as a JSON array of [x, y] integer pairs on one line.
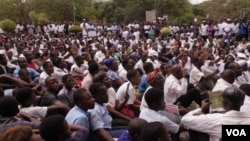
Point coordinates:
[[125, 136], [78, 116], [143, 84], [33, 73], [100, 117]]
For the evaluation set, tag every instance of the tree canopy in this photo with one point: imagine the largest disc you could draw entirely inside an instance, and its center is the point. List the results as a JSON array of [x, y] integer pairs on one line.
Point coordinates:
[[120, 10]]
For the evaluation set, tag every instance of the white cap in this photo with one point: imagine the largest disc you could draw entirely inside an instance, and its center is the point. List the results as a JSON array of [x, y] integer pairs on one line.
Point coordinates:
[[152, 52]]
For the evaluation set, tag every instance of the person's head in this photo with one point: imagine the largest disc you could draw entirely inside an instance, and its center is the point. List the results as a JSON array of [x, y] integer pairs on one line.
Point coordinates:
[[25, 96], [232, 98], [165, 69], [148, 67], [8, 106], [60, 63], [245, 88], [29, 56], [135, 127], [228, 75], [155, 131], [3, 60], [235, 67], [155, 79], [22, 62], [155, 99], [134, 77], [48, 67], [144, 57], [68, 81], [99, 92], [128, 64], [176, 71], [52, 84], [54, 128], [229, 59], [79, 60], [84, 99], [24, 75], [93, 68], [198, 62], [19, 133], [102, 77]]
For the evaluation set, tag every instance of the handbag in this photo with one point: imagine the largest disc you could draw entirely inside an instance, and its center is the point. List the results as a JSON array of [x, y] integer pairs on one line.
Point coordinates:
[[126, 109]]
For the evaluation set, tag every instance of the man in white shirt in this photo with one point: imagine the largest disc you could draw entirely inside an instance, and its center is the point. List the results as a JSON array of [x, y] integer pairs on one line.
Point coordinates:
[[155, 100], [176, 88], [226, 80], [232, 100], [246, 105]]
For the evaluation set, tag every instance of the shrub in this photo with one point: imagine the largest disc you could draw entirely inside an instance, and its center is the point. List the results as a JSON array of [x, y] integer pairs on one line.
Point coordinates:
[[165, 31], [75, 29], [8, 25]]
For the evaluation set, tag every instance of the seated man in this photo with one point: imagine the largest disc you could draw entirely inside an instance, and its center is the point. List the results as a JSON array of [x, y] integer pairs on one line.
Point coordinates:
[[27, 100], [134, 130], [154, 131], [55, 128], [155, 100], [176, 89], [100, 117], [8, 114], [78, 115], [232, 100]]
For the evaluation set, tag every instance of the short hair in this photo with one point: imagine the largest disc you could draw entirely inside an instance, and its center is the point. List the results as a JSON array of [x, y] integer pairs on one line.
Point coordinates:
[[2, 56], [46, 64], [93, 68], [99, 76], [152, 131], [22, 71], [135, 126], [234, 97], [148, 66], [22, 94], [131, 74], [245, 88], [51, 127], [8, 106], [78, 94], [78, 58], [153, 95], [95, 88], [17, 133], [65, 77]]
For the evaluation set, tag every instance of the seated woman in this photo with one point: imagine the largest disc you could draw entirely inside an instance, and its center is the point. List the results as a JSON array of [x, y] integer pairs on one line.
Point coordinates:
[[128, 100]]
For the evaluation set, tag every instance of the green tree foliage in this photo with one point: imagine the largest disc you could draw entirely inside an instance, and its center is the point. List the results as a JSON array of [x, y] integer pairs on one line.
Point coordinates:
[[8, 25], [75, 29], [119, 10]]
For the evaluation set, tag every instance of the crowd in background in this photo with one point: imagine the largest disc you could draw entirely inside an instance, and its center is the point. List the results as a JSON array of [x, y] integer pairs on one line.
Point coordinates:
[[118, 81]]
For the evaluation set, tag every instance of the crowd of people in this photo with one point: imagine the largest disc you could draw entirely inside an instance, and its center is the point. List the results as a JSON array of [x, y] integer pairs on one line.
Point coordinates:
[[125, 82]]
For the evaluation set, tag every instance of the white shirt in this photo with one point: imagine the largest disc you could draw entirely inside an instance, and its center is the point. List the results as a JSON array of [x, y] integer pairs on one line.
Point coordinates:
[[139, 65], [112, 96], [143, 101], [155, 63], [35, 111], [59, 73], [246, 105], [195, 76], [42, 78], [221, 85], [121, 92], [152, 116], [212, 123], [174, 88]]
